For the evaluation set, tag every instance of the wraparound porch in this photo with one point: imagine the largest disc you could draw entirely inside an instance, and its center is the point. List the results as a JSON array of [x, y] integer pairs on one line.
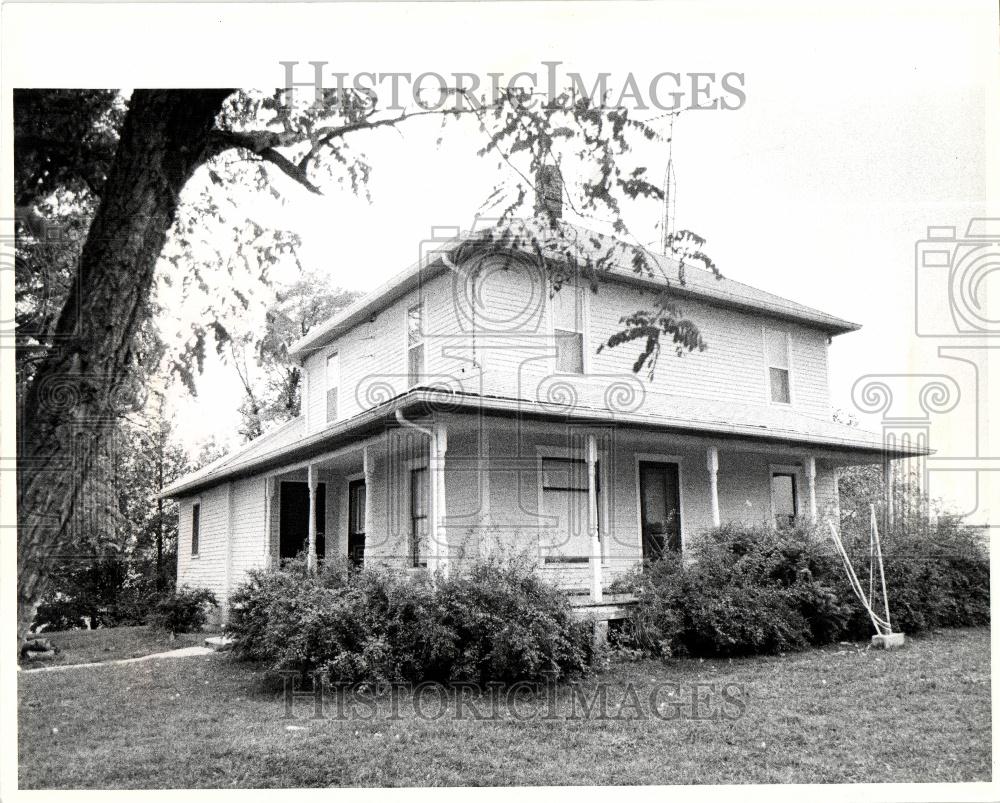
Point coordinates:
[[585, 502]]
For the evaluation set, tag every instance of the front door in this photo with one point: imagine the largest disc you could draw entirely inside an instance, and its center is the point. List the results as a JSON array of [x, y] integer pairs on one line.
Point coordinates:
[[356, 501], [293, 526], [660, 506]]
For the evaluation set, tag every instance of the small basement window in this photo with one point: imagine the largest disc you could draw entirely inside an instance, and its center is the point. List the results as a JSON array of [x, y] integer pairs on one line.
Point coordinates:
[[195, 527]]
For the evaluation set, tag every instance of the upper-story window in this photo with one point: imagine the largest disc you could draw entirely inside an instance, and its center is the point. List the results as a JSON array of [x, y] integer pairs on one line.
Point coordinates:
[[332, 385], [778, 365], [415, 343], [567, 325]]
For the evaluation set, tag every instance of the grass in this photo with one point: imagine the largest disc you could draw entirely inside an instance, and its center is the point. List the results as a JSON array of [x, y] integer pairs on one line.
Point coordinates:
[[841, 714], [109, 644]]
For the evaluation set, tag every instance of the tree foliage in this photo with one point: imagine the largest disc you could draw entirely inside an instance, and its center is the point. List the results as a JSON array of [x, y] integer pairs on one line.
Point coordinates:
[[166, 201]]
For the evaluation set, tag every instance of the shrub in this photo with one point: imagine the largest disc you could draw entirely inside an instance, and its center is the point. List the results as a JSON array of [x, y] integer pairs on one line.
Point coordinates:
[[936, 576], [753, 590], [507, 623], [185, 610], [746, 590], [495, 621]]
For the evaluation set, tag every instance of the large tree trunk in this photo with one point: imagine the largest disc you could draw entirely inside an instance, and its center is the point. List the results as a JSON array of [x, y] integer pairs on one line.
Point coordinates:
[[72, 399]]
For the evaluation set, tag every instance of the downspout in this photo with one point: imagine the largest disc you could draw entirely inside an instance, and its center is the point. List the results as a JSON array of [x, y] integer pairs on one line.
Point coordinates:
[[438, 542]]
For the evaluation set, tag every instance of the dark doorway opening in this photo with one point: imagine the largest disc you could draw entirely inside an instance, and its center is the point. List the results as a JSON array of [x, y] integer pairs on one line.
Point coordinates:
[[294, 519], [660, 506], [357, 499]]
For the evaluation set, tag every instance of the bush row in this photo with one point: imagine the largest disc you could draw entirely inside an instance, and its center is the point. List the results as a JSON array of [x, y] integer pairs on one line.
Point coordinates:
[[494, 621], [748, 590]]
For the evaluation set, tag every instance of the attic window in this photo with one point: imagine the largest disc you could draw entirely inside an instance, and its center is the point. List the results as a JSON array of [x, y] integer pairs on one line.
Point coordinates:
[[778, 365], [415, 343]]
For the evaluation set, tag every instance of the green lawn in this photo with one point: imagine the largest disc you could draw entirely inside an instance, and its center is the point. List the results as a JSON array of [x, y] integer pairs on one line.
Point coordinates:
[[109, 644], [842, 714]]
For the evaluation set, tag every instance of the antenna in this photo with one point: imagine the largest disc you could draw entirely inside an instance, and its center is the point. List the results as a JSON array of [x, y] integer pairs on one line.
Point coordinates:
[[669, 193]]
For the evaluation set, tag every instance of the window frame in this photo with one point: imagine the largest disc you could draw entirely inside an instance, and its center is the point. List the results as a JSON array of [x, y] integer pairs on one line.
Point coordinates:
[[196, 528], [335, 354], [583, 324], [768, 391], [408, 346], [543, 453], [412, 468]]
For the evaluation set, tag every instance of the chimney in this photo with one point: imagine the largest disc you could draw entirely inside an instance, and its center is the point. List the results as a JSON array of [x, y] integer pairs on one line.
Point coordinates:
[[548, 192]]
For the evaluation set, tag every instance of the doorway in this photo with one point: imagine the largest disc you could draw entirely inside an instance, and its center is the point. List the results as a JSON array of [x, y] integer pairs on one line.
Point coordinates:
[[293, 526], [660, 508]]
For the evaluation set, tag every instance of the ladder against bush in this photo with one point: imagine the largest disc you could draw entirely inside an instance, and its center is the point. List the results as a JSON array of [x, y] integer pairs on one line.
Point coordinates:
[[884, 637]]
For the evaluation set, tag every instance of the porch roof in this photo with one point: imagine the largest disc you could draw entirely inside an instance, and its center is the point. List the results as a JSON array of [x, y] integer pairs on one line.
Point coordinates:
[[725, 420]]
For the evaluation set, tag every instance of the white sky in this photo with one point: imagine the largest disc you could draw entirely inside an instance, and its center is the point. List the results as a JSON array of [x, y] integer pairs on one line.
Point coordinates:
[[862, 127]]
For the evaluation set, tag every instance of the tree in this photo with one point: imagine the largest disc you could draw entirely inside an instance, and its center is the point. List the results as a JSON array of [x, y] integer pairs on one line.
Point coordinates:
[[276, 398], [81, 385]]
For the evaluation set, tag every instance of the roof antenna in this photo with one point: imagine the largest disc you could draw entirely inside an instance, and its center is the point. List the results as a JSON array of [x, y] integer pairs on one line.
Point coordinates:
[[669, 194]]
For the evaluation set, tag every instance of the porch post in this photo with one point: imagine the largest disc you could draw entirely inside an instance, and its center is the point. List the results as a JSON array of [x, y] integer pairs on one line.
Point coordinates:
[[366, 467], [311, 555], [811, 485], [887, 478], [270, 486], [713, 484], [440, 445], [596, 589]]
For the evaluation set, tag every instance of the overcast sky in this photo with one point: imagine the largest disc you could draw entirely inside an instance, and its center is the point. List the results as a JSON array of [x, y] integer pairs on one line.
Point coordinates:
[[862, 126]]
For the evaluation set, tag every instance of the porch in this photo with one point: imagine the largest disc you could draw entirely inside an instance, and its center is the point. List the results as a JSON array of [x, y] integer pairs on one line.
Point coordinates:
[[584, 502]]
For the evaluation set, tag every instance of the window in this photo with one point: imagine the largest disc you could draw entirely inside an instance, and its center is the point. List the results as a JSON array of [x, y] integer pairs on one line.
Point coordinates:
[[776, 353], [332, 385], [415, 343], [418, 516], [567, 325], [564, 496], [195, 527], [784, 498]]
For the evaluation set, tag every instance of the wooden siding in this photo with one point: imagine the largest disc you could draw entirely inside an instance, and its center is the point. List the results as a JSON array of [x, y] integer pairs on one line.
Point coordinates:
[[208, 568], [503, 346]]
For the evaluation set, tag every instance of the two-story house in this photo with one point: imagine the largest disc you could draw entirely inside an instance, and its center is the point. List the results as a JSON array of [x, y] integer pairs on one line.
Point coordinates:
[[464, 408]]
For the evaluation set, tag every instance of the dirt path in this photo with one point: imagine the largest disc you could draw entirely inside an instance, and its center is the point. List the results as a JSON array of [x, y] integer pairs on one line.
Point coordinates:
[[183, 652]]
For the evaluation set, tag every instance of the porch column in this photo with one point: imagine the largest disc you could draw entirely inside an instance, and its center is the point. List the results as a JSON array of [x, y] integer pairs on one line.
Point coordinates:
[[713, 484], [887, 478], [311, 555], [811, 485], [596, 589], [439, 448], [270, 486], [366, 467]]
